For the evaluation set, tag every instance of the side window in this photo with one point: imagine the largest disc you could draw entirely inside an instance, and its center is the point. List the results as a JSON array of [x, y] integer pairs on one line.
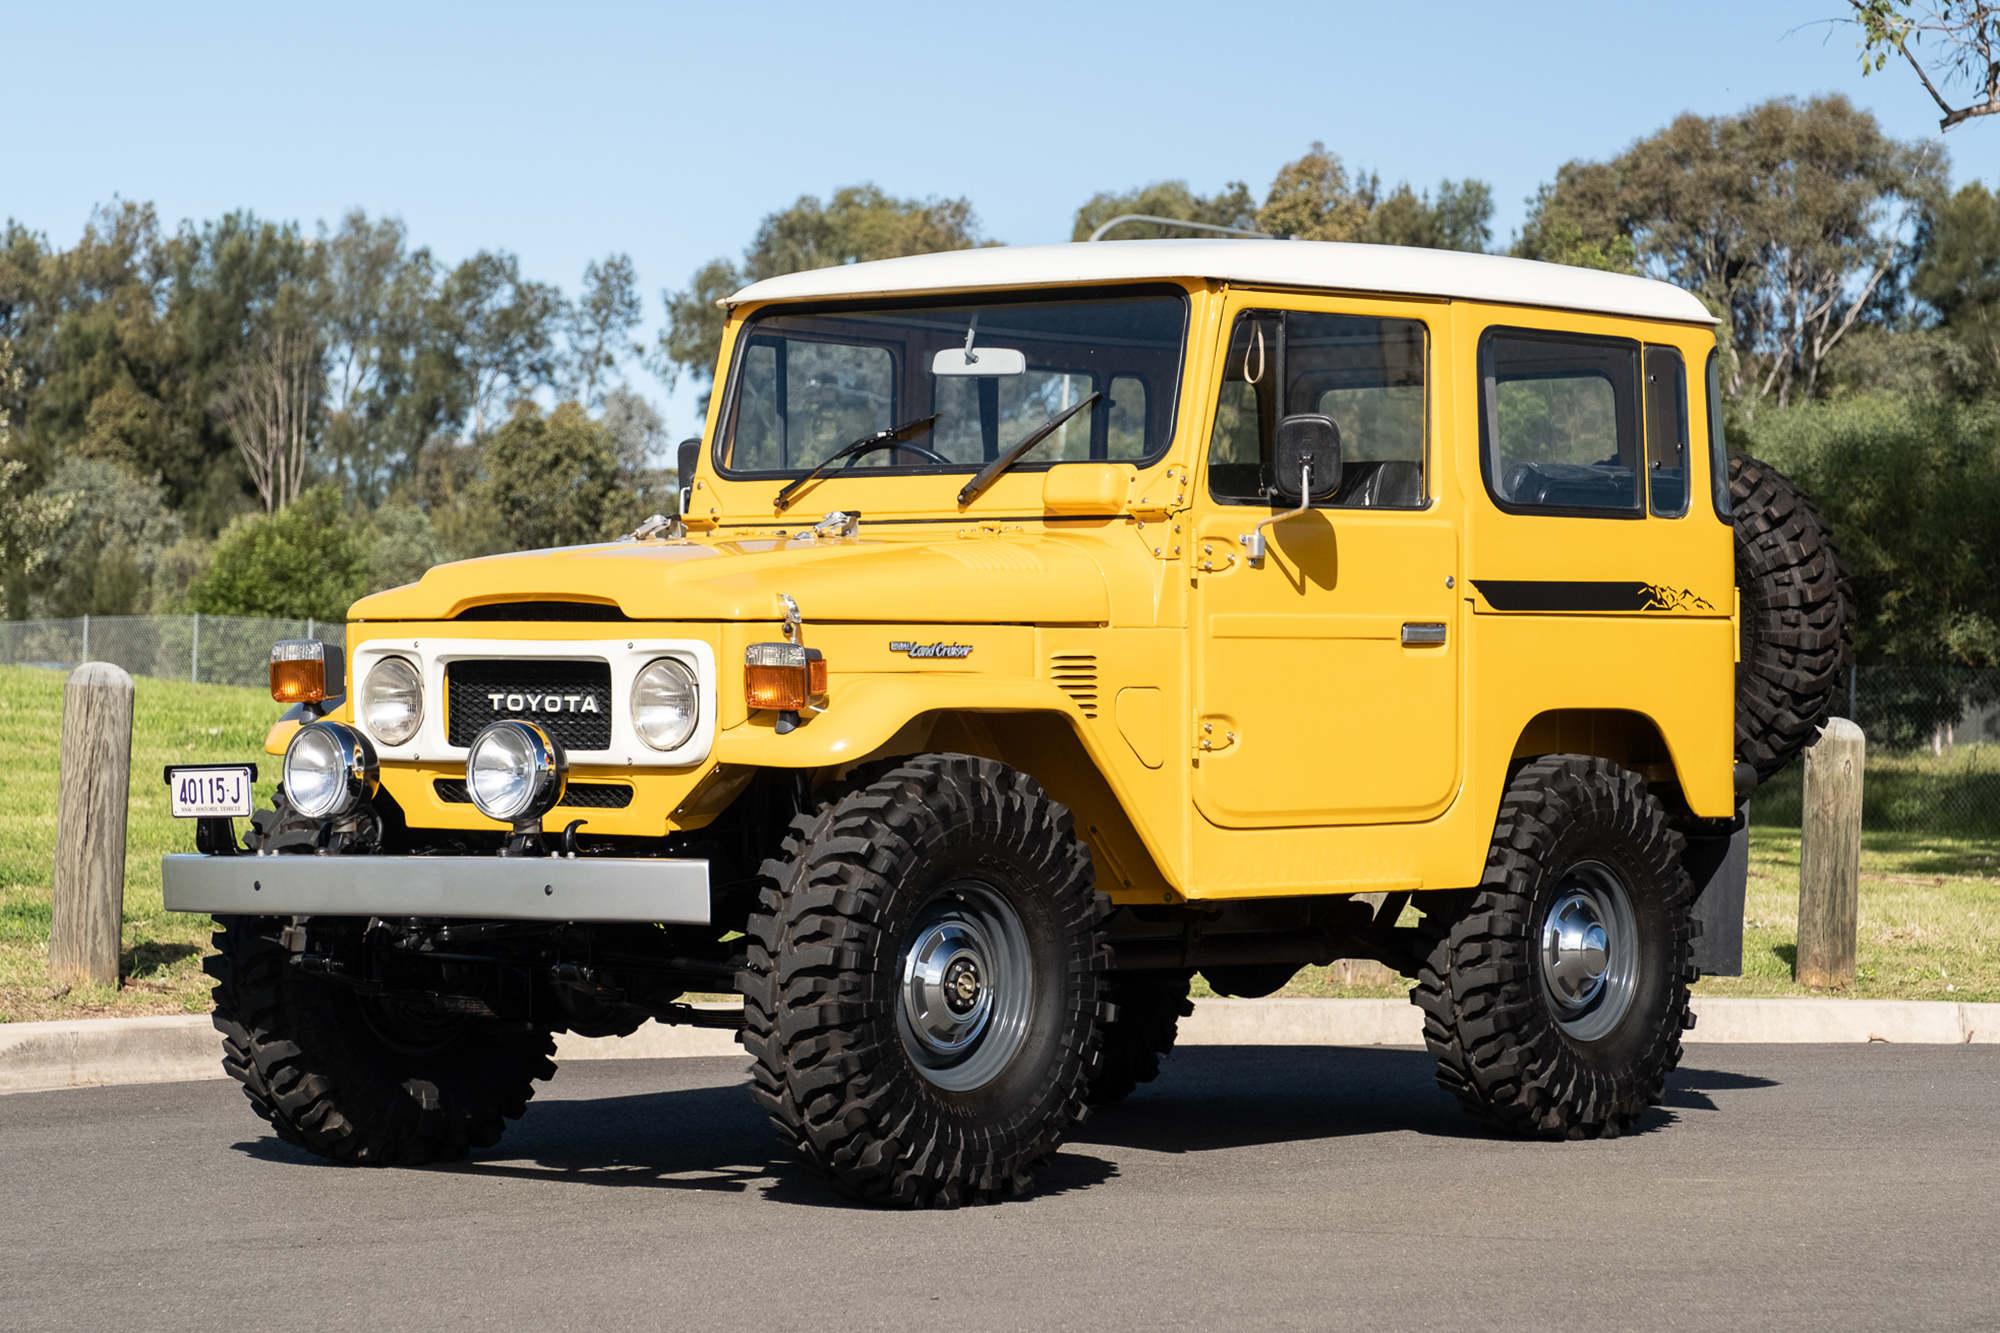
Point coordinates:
[[1666, 432], [1718, 447], [800, 401], [1560, 430], [1366, 373]]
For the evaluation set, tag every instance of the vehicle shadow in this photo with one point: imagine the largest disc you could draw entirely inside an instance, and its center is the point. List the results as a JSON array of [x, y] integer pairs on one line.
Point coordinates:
[[1207, 1099]]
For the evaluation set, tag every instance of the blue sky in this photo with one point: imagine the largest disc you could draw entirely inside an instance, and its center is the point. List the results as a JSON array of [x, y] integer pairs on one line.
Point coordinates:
[[564, 133]]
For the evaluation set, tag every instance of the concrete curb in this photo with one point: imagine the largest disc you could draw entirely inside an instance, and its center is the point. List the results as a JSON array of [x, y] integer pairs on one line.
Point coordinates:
[[1397, 1022], [36, 1057]]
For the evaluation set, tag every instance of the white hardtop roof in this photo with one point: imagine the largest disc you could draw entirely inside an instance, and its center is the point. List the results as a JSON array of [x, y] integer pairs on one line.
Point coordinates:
[[1403, 270]]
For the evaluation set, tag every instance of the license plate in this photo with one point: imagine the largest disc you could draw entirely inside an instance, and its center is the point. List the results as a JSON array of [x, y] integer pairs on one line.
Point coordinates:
[[211, 793]]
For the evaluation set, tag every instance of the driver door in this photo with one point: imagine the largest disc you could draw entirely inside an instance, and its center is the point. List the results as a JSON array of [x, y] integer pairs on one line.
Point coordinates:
[[1326, 675]]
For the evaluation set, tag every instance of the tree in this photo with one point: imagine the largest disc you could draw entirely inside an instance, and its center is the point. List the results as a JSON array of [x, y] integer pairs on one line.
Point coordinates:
[[401, 545], [268, 403], [27, 522], [305, 560], [1958, 275], [639, 438], [1312, 199], [1911, 488], [599, 324], [389, 380], [550, 482], [859, 223], [1786, 220], [1962, 33], [104, 552], [501, 328], [1230, 207]]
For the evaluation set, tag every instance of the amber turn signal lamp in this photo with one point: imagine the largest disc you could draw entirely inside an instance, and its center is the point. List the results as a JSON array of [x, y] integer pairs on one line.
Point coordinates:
[[782, 676], [305, 671]]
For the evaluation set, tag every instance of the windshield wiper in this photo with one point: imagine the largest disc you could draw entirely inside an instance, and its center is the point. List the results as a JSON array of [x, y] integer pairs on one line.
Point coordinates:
[[992, 470], [867, 444]]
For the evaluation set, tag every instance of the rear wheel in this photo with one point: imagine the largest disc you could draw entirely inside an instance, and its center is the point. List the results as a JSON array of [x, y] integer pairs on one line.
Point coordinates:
[[1555, 993], [357, 1078], [1149, 1008], [922, 991]]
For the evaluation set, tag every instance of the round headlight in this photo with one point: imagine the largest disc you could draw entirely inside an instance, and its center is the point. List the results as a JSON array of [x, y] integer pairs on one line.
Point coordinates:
[[329, 769], [515, 771], [666, 704], [392, 700]]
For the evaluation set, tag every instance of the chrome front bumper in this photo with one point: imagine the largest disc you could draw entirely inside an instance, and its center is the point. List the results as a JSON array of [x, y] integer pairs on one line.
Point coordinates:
[[527, 888]]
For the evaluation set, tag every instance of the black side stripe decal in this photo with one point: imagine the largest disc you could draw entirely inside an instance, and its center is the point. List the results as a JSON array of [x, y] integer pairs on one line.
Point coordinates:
[[1579, 595]]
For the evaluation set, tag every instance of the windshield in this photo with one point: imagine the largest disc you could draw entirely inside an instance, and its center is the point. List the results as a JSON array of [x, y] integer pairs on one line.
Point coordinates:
[[808, 384]]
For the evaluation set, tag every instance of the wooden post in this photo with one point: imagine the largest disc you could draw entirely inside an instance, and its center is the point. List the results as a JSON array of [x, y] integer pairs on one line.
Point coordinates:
[[86, 924], [1830, 857]]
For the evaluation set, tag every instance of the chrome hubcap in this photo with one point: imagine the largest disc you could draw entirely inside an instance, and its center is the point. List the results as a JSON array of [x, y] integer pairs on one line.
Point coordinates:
[[1589, 951], [965, 987], [1575, 950], [943, 997]]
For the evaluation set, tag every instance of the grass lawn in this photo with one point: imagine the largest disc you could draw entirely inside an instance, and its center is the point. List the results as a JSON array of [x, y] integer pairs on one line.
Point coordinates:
[[173, 722], [1930, 906]]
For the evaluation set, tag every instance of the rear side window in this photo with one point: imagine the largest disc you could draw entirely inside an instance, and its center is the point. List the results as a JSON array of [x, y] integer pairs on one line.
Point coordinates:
[[1718, 447], [1560, 429], [1666, 433]]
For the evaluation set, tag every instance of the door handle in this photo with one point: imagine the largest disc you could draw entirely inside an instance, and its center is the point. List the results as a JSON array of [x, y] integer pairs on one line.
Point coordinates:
[[1422, 631]]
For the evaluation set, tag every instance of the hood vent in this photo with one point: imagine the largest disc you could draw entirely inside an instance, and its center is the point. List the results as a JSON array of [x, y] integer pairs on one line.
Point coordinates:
[[598, 611], [1075, 674]]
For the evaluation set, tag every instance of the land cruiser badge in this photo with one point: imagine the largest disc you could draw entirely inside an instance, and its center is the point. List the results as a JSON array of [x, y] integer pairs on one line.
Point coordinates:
[[930, 649]]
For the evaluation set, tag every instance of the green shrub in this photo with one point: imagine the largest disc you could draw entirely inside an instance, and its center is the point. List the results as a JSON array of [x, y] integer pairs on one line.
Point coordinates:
[[305, 560]]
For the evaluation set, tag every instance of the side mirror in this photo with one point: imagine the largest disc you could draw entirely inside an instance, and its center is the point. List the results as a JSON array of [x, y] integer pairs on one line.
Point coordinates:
[[687, 460], [1306, 440]]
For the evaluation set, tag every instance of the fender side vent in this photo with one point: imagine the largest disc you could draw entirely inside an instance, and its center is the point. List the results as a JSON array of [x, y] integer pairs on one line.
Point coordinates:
[[1075, 674]]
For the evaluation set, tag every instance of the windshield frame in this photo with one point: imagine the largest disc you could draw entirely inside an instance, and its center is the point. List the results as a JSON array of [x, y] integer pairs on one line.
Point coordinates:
[[744, 336]]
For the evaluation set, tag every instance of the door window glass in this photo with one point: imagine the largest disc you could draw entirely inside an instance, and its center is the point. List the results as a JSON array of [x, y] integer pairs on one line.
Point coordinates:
[[1666, 432], [1366, 373], [1560, 430]]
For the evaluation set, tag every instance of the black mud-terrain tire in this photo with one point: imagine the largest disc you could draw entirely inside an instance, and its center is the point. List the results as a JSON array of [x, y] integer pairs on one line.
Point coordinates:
[[1149, 1007], [1797, 617], [825, 1020], [343, 1081], [1489, 1015]]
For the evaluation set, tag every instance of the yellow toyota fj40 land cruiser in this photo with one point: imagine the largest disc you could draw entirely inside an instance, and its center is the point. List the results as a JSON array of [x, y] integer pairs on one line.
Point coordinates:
[[1043, 627]]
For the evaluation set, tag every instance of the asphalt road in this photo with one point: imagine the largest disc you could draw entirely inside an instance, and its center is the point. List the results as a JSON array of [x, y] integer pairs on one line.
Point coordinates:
[[1779, 1187]]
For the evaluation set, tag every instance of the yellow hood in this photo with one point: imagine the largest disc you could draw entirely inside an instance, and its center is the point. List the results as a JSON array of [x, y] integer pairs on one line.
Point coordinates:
[[1032, 580]]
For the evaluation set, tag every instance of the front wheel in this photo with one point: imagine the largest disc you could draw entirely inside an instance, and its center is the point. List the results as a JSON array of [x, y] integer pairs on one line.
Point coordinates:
[[922, 988], [359, 1078], [1555, 993]]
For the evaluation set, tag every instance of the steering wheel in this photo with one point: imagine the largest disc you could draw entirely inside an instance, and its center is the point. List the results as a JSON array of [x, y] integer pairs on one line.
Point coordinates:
[[918, 449]]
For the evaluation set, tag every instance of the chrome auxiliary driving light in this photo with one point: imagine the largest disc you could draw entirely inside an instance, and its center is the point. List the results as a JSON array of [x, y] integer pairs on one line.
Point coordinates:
[[515, 772], [329, 770]]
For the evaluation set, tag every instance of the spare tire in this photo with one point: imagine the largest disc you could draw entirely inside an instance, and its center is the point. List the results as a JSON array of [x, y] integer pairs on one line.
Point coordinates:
[[1797, 616]]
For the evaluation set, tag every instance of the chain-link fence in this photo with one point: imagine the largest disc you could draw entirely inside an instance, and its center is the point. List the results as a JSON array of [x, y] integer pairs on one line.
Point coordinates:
[[1933, 752], [219, 650]]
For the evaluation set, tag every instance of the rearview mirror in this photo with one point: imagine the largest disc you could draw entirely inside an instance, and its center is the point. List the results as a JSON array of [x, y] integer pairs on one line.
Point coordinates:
[[1306, 440], [980, 361]]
